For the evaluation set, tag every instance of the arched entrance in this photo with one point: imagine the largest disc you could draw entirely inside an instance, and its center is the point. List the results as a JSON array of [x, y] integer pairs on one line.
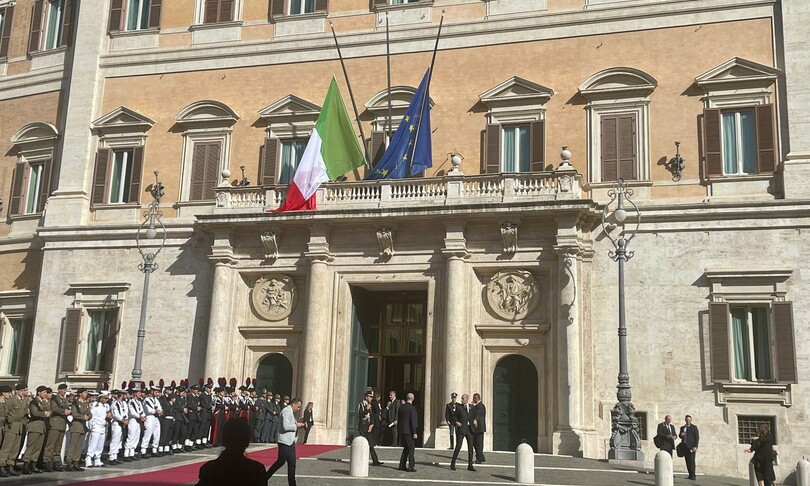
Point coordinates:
[[275, 375], [514, 416]]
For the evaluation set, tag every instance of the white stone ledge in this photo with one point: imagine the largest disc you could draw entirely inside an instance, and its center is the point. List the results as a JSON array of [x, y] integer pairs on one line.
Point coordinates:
[[48, 59], [216, 33], [134, 39], [301, 24], [32, 83]]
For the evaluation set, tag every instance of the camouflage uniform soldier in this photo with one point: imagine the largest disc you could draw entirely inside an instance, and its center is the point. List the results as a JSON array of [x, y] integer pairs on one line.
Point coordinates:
[[40, 411], [60, 409], [5, 395], [16, 409], [78, 428]]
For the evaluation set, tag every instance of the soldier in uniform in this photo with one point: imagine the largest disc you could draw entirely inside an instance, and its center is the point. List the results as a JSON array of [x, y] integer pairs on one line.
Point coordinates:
[[270, 419], [136, 418], [206, 414], [365, 416], [449, 413], [152, 410], [78, 428], [97, 430], [166, 428], [261, 414], [16, 409], [118, 422], [179, 435], [5, 395], [193, 405], [39, 411], [60, 410]]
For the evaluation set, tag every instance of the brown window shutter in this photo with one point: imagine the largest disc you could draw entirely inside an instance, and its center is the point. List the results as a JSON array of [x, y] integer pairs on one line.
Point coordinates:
[[116, 15], [137, 175], [28, 340], [226, 10], [198, 171], [380, 3], [493, 148], [112, 341], [277, 8], [766, 136], [538, 135], [36, 25], [719, 315], [626, 146], [211, 11], [67, 24], [269, 156], [100, 176], [609, 132], [15, 206], [70, 340], [377, 146], [212, 158], [785, 346], [154, 14], [321, 5], [712, 142], [45, 184], [5, 36]]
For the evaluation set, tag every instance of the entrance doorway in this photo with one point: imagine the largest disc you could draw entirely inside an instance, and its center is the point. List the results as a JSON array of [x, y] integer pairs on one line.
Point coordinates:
[[388, 349], [275, 375], [515, 403]]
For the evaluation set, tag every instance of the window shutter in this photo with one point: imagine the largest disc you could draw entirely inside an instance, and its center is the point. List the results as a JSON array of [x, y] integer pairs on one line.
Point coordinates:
[[112, 342], [116, 14], [211, 170], [766, 136], [198, 171], [377, 146], [493, 148], [626, 146], [45, 184], [211, 7], [5, 36], [100, 176], [538, 146], [380, 3], [36, 25], [609, 128], [17, 184], [154, 14], [70, 340], [321, 5], [719, 315], [277, 8], [712, 142], [785, 346], [136, 175], [28, 340], [269, 156], [67, 24], [225, 10]]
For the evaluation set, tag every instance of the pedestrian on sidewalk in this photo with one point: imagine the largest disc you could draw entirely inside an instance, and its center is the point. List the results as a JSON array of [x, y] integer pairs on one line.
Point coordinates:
[[690, 438], [762, 447], [286, 441]]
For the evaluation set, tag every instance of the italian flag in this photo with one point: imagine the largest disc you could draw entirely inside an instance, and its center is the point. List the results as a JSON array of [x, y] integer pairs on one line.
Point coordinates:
[[332, 151]]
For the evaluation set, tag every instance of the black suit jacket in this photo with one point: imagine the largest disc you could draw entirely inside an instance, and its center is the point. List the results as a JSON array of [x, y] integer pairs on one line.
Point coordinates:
[[662, 435], [407, 422], [690, 436], [461, 416], [393, 410], [478, 412]]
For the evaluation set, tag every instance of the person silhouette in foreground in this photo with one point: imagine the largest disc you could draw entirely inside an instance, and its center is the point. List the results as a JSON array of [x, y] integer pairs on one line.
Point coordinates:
[[232, 467]]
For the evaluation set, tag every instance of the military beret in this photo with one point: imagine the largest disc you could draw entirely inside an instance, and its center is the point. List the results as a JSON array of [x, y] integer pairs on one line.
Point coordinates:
[[287, 398], [41, 388], [172, 395], [277, 397], [49, 390], [5, 389], [62, 386], [81, 390], [21, 386]]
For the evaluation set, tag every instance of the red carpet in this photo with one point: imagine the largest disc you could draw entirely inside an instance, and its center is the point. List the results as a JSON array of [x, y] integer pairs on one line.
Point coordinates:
[[188, 474]]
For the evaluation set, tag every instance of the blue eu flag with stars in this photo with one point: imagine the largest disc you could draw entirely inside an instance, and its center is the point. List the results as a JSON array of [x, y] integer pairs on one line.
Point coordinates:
[[410, 151]]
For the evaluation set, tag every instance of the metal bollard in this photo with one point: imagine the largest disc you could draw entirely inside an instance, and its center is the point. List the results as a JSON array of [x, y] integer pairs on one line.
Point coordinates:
[[803, 473], [752, 474], [663, 469], [524, 464], [358, 463]]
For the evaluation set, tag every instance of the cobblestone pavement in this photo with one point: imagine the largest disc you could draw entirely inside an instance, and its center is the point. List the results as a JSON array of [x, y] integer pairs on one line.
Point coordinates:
[[432, 466]]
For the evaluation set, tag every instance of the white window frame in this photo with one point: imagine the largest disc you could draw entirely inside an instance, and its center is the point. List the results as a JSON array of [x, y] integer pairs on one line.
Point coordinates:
[[7, 343], [87, 323], [302, 7], [738, 140], [141, 18], [14, 305], [280, 164], [514, 126], [750, 358], [49, 43]]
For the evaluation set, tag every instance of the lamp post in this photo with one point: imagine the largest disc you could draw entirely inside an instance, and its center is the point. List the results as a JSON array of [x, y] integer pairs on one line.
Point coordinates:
[[625, 443], [149, 228]]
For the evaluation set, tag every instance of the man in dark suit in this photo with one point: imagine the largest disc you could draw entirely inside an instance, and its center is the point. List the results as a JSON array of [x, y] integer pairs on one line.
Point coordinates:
[[665, 436], [393, 413], [367, 424], [449, 412], [408, 425], [478, 418], [460, 417], [691, 437]]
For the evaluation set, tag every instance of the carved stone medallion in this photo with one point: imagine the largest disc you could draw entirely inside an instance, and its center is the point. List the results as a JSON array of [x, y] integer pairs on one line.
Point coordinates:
[[512, 294], [274, 296]]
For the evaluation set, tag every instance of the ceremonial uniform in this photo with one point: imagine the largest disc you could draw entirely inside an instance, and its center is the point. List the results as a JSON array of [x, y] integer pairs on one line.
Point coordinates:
[[220, 410], [365, 416], [80, 410], [152, 409], [180, 434], [60, 410], [261, 415], [39, 410], [193, 404], [120, 417], [16, 409], [97, 430], [167, 421], [136, 417], [206, 415]]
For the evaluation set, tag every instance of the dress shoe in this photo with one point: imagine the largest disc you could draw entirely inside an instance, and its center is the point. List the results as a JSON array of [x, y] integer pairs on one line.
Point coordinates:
[[27, 468], [411, 470], [11, 471], [47, 467], [470, 468], [78, 467], [403, 469], [3, 473], [479, 461], [452, 467], [58, 467], [127, 459], [378, 463]]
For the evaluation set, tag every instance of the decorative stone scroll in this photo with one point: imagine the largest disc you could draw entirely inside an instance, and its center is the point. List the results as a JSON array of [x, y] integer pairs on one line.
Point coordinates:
[[509, 233], [274, 296], [512, 294], [270, 242], [385, 236]]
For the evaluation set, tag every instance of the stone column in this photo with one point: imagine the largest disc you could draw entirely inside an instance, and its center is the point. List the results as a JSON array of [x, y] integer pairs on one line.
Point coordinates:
[[221, 311], [795, 64]]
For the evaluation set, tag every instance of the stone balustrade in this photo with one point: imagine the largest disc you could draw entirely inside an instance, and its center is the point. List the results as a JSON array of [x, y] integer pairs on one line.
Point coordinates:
[[447, 191]]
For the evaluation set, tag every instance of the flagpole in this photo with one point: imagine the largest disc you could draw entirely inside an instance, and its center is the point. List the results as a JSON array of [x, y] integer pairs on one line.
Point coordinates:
[[351, 96], [425, 98], [388, 63]]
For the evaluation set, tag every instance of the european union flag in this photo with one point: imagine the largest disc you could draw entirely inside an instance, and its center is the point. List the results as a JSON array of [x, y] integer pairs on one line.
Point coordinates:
[[410, 151]]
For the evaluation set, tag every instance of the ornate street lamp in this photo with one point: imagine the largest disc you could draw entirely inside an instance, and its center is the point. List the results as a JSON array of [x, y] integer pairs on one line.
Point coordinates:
[[625, 443], [149, 228]]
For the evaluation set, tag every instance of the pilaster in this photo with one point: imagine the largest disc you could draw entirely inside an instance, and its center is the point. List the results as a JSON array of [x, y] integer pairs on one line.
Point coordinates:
[[218, 343]]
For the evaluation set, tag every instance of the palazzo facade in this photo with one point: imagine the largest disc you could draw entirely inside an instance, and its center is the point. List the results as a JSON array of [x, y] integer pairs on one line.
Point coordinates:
[[490, 273]]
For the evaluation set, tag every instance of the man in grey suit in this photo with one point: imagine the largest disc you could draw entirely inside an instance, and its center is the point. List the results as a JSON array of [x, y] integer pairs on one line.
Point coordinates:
[[393, 412], [665, 435], [478, 417]]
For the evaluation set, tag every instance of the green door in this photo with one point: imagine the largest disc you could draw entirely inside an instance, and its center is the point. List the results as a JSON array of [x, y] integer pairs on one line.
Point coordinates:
[[275, 375], [358, 371], [514, 416]]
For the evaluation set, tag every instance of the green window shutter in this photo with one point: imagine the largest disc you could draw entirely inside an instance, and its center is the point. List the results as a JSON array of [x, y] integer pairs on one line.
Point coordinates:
[[377, 146], [116, 14], [154, 14], [36, 26], [269, 158], [100, 176], [15, 206], [67, 23], [608, 133]]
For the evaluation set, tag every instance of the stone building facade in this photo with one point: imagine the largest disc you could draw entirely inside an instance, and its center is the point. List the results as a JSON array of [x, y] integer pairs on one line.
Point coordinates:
[[495, 280]]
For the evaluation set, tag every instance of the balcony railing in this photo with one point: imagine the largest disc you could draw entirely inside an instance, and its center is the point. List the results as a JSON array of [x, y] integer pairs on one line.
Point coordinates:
[[445, 191]]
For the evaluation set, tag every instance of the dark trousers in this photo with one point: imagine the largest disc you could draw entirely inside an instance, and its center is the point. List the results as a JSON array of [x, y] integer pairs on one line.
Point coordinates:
[[689, 457], [459, 439], [166, 431], [394, 435], [193, 429], [408, 447], [179, 432], [267, 428], [286, 455], [478, 443], [257, 430], [372, 441], [205, 425], [306, 432]]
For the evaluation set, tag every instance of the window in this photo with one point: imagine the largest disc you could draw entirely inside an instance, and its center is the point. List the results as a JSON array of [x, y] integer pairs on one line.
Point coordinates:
[[642, 425], [6, 18], [301, 6], [121, 176], [739, 142], [218, 11], [137, 14], [30, 187], [54, 21], [117, 177], [291, 152], [516, 150], [15, 344], [618, 146], [51, 24], [130, 15], [748, 426], [205, 170], [402, 2], [751, 338], [98, 335]]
